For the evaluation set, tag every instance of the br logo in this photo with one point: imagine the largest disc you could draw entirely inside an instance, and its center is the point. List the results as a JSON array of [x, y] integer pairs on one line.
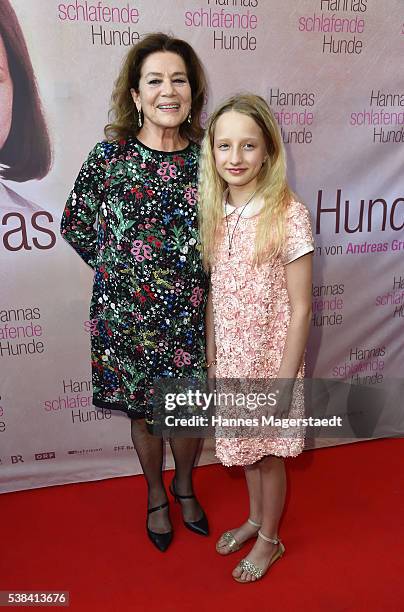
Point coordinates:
[[17, 459]]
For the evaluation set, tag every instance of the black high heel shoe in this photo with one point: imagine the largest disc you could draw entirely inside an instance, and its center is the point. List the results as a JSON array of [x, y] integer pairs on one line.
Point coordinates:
[[200, 527], [160, 540]]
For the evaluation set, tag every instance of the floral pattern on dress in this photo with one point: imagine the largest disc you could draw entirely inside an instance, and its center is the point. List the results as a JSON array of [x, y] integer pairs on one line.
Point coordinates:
[[132, 216], [252, 314]]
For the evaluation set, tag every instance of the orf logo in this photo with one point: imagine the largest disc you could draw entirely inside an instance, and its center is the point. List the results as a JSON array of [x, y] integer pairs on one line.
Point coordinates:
[[17, 459], [48, 455]]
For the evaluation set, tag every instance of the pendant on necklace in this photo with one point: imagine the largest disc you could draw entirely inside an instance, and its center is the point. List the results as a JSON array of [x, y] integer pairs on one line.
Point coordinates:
[[231, 237]]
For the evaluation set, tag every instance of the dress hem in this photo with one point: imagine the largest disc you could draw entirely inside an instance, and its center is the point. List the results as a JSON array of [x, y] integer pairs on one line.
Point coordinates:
[[132, 414], [259, 457]]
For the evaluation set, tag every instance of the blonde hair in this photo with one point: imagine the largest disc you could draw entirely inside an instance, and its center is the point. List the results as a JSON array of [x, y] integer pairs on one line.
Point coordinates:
[[272, 183], [124, 120]]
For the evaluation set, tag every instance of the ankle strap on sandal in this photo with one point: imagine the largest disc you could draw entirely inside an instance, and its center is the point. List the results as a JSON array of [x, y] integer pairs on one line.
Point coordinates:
[[253, 523], [176, 495], [271, 540], [160, 507], [184, 496]]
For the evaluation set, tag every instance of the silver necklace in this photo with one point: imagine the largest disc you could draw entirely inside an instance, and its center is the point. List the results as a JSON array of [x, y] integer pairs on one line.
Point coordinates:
[[231, 236]]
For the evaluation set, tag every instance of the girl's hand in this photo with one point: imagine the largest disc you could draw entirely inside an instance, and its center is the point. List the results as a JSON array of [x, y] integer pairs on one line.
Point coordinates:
[[283, 388]]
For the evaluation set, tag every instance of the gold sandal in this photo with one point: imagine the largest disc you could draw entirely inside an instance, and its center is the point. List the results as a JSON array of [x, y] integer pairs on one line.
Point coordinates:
[[254, 570], [231, 542]]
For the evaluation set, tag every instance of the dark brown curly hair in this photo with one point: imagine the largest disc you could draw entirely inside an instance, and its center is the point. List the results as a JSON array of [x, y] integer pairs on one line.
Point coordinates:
[[123, 118]]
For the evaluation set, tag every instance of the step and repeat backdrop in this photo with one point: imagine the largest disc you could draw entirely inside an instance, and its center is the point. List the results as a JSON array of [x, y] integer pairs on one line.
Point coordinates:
[[332, 72]]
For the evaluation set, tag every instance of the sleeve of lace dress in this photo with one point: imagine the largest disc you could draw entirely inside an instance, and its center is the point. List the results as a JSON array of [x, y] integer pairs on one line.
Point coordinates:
[[299, 237]]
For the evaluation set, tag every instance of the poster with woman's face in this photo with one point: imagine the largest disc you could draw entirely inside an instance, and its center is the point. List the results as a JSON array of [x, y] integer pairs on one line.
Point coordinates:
[[61, 83], [323, 69]]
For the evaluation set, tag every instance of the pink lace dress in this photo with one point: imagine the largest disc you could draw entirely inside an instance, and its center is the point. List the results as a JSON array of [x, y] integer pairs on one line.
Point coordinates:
[[251, 314]]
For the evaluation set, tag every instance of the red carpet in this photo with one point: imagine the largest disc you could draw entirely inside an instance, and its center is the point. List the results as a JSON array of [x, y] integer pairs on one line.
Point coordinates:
[[343, 529]]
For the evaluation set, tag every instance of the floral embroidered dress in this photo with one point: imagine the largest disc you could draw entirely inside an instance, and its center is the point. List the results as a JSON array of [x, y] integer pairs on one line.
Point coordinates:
[[132, 217], [252, 314]]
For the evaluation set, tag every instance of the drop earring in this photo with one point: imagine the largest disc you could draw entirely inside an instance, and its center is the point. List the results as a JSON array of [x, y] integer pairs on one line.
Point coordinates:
[[139, 117], [189, 118]]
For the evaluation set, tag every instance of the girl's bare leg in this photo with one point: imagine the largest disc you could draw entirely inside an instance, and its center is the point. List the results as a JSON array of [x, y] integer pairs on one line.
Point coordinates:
[[273, 491], [246, 530]]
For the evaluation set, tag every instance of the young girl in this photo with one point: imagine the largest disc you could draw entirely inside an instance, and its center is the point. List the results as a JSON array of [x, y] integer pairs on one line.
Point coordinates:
[[257, 244]]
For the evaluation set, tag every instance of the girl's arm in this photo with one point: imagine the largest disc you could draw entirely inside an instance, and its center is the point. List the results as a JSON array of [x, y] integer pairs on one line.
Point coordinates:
[[298, 282], [210, 335]]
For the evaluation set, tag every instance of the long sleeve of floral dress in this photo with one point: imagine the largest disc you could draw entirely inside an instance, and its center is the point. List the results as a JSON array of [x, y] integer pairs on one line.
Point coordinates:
[[79, 218]]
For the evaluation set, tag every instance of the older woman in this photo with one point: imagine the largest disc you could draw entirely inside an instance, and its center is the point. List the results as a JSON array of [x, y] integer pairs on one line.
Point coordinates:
[[132, 217]]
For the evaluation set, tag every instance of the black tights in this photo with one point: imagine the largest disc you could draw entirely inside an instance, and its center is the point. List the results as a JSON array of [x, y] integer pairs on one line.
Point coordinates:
[[150, 452]]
